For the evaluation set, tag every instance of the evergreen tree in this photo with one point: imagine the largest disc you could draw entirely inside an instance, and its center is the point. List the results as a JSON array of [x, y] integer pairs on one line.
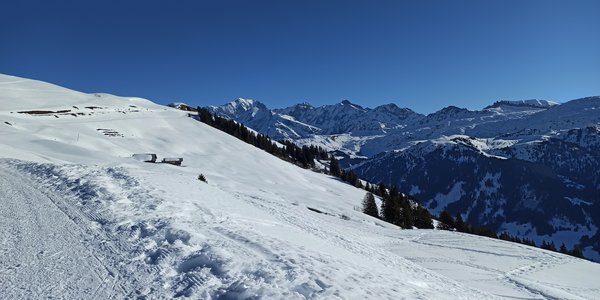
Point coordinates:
[[406, 214], [423, 218], [394, 191], [563, 249], [577, 252], [334, 167], [202, 178], [447, 222], [459, 224], [552, 247], [390, 210], [382, 190], [369, 206]]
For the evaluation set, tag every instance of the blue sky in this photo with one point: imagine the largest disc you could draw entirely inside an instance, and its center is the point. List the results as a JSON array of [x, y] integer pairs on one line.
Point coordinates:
[[420, 54]]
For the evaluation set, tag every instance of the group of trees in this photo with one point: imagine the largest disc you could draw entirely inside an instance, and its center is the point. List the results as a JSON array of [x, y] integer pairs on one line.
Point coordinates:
[[397, 209], [563, 249], [303, 156], [345, 175], [447, 222]]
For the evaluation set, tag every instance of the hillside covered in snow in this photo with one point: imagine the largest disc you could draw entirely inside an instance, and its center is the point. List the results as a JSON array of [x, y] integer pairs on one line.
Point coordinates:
[[81, 218], [526, 167]]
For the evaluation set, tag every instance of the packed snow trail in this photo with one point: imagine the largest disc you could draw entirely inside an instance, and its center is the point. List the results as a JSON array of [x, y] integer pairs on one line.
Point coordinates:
[[43, 253]]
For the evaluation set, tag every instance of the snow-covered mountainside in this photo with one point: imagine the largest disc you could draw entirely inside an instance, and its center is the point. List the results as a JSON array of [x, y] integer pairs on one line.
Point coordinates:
[[81, 218], [529, 167]]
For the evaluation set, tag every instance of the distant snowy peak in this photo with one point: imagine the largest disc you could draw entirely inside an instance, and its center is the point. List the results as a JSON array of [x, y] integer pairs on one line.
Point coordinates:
[[246, 104], [240, 107], [533, 103]]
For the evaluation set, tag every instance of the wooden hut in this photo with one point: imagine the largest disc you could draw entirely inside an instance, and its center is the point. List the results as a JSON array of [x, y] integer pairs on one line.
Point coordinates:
[[172, 160]]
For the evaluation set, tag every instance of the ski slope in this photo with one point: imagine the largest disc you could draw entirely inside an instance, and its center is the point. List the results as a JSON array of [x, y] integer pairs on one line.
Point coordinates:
[[81, 219]]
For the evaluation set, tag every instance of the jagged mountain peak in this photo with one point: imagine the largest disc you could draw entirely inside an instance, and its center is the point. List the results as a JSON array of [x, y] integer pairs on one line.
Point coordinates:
[[247, 104], [299, 106], [305, 104], [394, 109], [347, 103], [453, 109], [449, 112]]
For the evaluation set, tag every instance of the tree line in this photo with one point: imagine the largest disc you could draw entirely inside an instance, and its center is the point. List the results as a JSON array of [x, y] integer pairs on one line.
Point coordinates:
[[304, 156], [456, 223], [398, 209]]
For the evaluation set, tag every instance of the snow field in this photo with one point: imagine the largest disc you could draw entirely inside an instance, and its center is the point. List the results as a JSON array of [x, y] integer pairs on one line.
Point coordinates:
[[126, 229]]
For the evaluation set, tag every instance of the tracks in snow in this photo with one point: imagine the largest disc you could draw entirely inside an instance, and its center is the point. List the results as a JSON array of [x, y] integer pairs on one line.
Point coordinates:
[[71, 206], [44, 253]]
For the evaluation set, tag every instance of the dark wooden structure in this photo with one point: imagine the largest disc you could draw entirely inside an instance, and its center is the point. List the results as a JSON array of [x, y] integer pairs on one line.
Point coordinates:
[[173, 161]]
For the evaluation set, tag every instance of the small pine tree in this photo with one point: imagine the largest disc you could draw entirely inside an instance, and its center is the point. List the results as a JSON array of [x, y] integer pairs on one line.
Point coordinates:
[[577, 252], [563, 249], [447, 222], [406, 214], [369, 206], [382, 190], [423, 218], [202, 178], [552, 247], [459, 224], [334, 167]]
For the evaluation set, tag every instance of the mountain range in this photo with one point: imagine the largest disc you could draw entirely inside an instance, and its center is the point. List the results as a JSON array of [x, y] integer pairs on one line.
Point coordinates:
[[526, 167]]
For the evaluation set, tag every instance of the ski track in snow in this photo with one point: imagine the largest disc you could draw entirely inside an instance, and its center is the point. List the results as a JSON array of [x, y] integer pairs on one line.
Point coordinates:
[[43, 254]]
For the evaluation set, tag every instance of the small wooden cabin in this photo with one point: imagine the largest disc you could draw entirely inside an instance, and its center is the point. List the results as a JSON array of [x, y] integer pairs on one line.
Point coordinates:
[[145, 157], [173, 161]]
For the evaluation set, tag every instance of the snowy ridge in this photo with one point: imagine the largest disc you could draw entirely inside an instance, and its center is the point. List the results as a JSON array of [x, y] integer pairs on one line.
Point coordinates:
[[524, 103], [74, 199]]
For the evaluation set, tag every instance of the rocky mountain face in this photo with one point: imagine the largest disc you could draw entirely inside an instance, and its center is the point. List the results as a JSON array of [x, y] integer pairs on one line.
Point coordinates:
[[529, 167]]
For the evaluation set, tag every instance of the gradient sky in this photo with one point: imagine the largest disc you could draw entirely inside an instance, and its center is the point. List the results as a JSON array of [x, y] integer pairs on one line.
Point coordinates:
[[420, 54]]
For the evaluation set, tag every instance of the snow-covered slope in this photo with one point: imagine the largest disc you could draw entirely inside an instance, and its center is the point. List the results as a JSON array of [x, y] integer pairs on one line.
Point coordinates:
[[79, 218], [513, 166]]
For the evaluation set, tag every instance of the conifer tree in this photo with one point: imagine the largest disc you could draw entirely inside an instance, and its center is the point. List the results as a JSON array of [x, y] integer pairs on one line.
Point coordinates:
[[577, 252], [423, 218], [459, 224], [334, 167], [446, 220], [563, 249], [390, 210], [406, 214], [382, 190], [369, 206]]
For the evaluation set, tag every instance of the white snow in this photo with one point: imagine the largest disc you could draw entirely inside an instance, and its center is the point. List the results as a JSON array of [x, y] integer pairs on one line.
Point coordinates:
[[443, 200], [80, 218], [578, 201]]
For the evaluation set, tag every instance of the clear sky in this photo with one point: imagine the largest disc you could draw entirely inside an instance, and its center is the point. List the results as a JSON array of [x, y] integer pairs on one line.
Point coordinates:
[[420, 54]]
